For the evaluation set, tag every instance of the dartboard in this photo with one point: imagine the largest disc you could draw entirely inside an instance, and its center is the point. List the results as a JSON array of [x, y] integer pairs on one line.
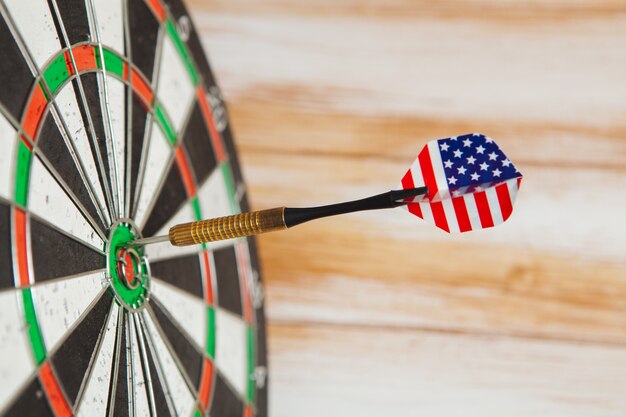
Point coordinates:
[[112, 129]]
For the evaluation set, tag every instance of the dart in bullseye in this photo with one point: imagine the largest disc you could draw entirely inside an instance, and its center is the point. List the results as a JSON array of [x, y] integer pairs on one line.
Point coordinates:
[[459, 184]]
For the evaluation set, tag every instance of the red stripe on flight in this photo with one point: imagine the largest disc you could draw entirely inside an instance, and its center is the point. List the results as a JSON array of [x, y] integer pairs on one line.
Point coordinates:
[[504, 198], [208, 285], [20, 243], [482, 205], [426, 167], [206, 383], [216, 138], [53, 392], [34, 111], [407, 182], [439, 215], [183, 167], [460, 210]]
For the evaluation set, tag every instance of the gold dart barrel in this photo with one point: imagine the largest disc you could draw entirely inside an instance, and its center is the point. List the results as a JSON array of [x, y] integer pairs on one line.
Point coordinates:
[[228, 227]]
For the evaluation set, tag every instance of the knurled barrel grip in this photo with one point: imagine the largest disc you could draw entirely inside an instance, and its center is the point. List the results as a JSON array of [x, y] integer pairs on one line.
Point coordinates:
[[228, 227]]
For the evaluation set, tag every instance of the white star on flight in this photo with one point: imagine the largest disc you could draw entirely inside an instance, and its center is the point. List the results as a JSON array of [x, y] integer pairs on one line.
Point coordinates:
[[467, 143], [453, 138], [452, 180], [488, 139], [461, 170], [478, 189], [480, 149], [447, 164], [496, 172], [484, 166], [475, 134], [506, 162], [471, 160], [475, 176], [458, 153], [456, 193], [444, 146], [493, 156]]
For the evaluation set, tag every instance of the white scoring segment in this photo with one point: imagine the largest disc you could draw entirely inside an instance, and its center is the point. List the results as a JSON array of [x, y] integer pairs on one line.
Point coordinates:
[[69, 112], [178, 392], [159, 154], [116, 98], [95, 400], [231, 348], [60, 303], [17, 363], [34, 22], [165, 249], [188, 311], [8, 146], [174, 88], [215, 202], [110, 27], [49, 201], [139, 385]]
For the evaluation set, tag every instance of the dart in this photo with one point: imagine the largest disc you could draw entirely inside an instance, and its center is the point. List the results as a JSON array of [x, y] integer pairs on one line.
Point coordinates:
[[459, 184]]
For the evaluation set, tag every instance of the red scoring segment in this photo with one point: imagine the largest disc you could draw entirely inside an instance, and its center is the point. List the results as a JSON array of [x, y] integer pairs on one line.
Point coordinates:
[[53, 392]]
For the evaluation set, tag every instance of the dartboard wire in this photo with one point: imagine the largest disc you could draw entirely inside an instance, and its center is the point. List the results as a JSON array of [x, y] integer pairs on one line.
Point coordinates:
[[57, 113], [131, 359], [93, 360], [91, 13], [111, 200], [115, 364], [150, 121], [129, 114], [145, 366], [172, 352], [157, 364], [19, 132]]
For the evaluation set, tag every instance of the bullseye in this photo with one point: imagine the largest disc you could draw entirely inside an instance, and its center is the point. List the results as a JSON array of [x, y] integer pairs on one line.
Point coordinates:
[[128, 267]]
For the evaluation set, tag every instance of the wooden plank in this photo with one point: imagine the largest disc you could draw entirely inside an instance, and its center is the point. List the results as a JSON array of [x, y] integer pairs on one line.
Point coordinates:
[[344, 371]]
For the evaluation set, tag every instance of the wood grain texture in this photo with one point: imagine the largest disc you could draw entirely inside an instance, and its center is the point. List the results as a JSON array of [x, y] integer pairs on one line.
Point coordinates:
[[378, 314]]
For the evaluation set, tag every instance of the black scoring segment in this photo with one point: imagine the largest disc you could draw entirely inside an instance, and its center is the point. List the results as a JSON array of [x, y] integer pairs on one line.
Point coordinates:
[[170, 199], [31, 402], [226, 402], [136, 148], [53, 146], [183, 272], [144, 30], [93, 112], [15, 76], [73, 357], [196, 141], [227, 275], [74, 20], [120, 401], [189, 356], [57, 255], [6, 257]]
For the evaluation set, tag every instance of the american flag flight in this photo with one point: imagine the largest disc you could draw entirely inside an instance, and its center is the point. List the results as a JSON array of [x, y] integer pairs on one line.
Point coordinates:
[[471, 183]]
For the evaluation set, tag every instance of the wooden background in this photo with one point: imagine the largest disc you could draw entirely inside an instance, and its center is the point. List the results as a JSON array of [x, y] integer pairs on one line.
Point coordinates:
[[380, 314]]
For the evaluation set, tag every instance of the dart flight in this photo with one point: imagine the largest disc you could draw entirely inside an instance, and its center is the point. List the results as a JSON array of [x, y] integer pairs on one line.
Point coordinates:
[[459, 184], [471, 183]]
